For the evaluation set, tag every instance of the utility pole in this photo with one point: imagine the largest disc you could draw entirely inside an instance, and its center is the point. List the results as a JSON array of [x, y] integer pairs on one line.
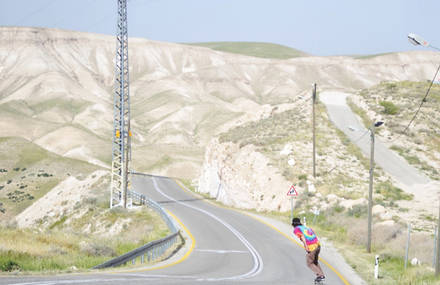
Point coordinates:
[[314, 131], [121, 147], [370, 188], [437, 263]]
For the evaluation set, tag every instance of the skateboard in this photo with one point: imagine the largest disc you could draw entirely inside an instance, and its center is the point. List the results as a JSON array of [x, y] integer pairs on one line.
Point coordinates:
[[321, 282]]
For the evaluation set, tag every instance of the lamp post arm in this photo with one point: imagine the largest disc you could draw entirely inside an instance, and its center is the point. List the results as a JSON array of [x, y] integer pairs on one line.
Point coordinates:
[[433, 47]]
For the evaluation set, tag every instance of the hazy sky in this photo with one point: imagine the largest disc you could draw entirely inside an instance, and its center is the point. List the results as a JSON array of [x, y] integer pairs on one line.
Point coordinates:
[[319, 27]]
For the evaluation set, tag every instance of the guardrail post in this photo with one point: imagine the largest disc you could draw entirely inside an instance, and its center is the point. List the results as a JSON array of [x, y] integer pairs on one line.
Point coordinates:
[[133, 262], [142, 258]]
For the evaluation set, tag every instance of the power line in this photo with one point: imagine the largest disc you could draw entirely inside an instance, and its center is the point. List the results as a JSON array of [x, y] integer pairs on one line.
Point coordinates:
[[34, 12], [360, 137], [420, 106]]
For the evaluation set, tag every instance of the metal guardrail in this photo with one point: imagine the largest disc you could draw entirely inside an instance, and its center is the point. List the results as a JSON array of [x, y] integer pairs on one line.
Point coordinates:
[[151, 251], [141, 199]]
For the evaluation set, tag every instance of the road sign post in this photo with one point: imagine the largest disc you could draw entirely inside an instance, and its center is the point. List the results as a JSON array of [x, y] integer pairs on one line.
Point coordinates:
[[292, 193]]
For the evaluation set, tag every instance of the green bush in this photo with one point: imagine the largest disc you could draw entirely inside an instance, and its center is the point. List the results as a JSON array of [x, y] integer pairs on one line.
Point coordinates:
[[389, 107], [9, 265], [302, 177], [392, 193]]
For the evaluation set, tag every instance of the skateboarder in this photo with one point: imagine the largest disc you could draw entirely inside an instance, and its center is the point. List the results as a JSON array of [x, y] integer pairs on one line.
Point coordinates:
[[312, 247]]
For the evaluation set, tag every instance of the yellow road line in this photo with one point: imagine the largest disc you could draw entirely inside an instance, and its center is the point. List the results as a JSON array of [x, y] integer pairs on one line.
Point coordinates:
[[295, 241], [191, 249], [276, 229]]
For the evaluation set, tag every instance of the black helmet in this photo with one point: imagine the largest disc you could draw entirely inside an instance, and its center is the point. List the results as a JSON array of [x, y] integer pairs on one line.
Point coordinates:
[[296, 222]]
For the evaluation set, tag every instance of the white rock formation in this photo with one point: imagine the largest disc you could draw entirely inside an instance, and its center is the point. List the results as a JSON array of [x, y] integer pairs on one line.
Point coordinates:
[[242, 178]]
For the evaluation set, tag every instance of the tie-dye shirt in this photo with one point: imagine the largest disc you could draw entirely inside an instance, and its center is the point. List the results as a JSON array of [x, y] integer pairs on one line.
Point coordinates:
[[309, 235]]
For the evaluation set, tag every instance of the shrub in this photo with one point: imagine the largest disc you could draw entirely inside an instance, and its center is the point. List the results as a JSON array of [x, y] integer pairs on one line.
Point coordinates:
[[19, 196], [389, 107], [90, 200], [96, 249], [302, 177], [9, 266], [358, 211]]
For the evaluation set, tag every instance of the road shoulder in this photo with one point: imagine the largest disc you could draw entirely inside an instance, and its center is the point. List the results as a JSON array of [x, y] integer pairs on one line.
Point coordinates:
[[335, 261]]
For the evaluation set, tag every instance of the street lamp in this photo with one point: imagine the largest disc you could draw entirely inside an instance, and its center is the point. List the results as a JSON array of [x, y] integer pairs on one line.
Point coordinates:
[[419, 41], [370, 189]]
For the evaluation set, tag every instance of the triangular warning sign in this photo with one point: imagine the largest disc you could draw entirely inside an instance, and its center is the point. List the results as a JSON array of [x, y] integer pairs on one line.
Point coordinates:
[[292, 191]]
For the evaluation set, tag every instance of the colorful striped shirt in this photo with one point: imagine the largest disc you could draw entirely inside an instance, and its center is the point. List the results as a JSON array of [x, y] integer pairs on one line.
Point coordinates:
[[309, 235]]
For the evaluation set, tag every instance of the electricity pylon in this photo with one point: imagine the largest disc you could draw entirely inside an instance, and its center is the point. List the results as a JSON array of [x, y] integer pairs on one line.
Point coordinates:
[[121, 147]]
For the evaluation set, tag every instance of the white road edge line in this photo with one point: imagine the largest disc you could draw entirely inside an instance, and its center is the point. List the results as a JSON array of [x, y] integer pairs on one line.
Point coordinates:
[[258, 262]]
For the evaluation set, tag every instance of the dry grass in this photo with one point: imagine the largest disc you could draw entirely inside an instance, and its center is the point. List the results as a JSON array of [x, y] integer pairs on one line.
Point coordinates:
[[82, 236], [30, 172], [349, 234], [67, 245], [341, 167]]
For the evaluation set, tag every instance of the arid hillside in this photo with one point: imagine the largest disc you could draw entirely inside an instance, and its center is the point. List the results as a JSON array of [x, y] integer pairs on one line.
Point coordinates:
[[56, 90]]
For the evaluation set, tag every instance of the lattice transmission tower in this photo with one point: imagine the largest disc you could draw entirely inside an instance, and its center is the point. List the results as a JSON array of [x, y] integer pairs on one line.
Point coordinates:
[[121, 147]]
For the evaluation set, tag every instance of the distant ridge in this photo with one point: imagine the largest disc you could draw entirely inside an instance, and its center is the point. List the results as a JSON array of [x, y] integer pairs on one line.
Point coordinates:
[[256, 49]]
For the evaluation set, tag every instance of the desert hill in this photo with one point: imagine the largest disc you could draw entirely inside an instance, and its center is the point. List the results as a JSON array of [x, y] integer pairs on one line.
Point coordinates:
[[234, 118], [256, 49], [56, 91]]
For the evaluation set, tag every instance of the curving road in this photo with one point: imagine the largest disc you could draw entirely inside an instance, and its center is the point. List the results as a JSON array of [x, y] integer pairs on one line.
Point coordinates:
[[228, 247], [344, 119]]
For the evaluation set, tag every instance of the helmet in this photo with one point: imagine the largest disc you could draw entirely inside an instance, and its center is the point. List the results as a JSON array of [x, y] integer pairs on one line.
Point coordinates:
[[296, 222]]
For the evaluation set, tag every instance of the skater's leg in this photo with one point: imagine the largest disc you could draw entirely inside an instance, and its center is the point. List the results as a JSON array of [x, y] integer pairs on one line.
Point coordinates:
[[312, 262], [310, 259], [316, 261]]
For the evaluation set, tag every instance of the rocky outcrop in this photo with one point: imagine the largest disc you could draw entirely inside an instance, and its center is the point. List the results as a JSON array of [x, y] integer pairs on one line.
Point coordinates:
[[243, 178]]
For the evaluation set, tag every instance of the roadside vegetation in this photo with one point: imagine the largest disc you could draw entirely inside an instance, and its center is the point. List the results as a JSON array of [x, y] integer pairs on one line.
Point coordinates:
[[341, 167], [342, 170], [76, 238], [346, 229], [71, 247]]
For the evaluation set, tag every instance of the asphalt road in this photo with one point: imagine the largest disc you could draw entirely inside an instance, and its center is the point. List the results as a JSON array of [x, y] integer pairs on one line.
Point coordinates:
[[229, 247], [344, 119]]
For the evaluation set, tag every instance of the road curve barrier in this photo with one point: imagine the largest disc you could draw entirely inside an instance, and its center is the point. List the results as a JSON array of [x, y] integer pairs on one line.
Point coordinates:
[[154, 250]]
